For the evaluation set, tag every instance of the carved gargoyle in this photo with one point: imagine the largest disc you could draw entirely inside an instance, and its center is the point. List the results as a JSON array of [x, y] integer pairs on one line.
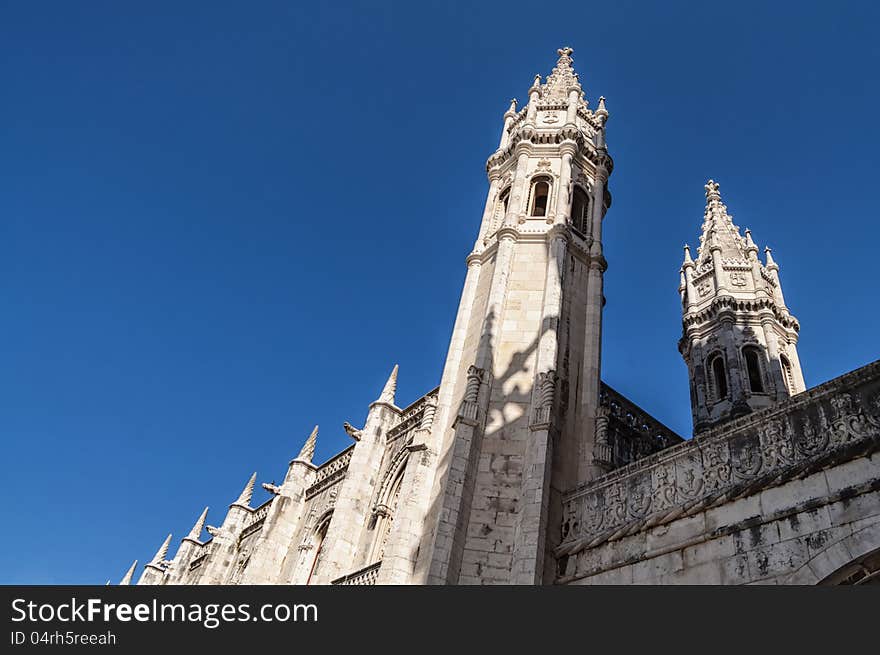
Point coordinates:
[[212, 530], [352, 431], [271, 488]]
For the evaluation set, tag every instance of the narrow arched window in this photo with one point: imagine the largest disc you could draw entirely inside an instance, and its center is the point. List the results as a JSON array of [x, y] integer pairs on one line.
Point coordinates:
[[501, 207], [540, 197], [719, 376], [580, 210], [753, 369], [318, 544], [787, 374]]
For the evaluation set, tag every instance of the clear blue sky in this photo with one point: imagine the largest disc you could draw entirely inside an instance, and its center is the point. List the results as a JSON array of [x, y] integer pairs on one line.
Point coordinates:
[[223, 223]]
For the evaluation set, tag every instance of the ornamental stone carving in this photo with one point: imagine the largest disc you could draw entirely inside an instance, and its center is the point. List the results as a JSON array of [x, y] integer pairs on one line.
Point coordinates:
[[544, 392], [804, 433], [469, 409]]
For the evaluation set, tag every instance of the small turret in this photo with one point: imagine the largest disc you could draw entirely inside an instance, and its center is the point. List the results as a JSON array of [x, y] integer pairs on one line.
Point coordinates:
[[244, 500], [196, 533], [390, 388], [307, 452], [739, 340], [161, 554], [126, 579]]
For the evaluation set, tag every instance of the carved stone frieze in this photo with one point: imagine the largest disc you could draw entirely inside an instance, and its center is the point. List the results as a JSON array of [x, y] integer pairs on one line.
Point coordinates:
[[839, 419]]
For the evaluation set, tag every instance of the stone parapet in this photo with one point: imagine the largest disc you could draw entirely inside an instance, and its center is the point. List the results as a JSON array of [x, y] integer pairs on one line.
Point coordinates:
[[832, 423]]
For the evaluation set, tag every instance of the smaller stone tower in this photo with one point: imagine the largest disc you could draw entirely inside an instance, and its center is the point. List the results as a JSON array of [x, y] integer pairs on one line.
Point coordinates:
[[738, 338]]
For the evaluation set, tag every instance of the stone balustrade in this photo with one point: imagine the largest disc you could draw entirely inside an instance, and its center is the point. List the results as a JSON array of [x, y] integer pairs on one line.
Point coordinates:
[[365, 576]]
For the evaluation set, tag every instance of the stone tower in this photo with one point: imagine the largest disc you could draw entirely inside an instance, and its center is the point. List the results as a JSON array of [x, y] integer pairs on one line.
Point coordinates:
[[738, 338], [518, 397]]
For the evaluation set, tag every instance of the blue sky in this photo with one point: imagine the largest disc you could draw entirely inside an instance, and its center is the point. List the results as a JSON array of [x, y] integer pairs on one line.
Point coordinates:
[[220, 227]]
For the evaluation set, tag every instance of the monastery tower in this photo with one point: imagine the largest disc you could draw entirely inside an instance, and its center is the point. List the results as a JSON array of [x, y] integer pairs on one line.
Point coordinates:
[[738, 338]]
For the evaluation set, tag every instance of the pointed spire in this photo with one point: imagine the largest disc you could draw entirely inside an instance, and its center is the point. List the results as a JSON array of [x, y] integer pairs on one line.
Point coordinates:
[[247, 493], [687, 256], [749, 242], [511, 111], [562, 78], [536, 85], [196, 531], [126, 579], [308, 450], [387, 395], [601, 111], [719, 231], [771, 264], [162, 553]]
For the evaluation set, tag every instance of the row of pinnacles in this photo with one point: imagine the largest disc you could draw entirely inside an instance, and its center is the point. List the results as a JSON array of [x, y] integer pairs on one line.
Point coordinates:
[[253, 544]]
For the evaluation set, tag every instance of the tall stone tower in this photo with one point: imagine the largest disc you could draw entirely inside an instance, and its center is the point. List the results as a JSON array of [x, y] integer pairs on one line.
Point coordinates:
[[517, 402], [739, 339]]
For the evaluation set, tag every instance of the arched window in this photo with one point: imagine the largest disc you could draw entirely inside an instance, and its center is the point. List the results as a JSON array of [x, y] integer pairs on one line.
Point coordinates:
[[501, 207], [787, 374], [753, 369], [385, 518], [540, 197], [318, 543], [718, 376], [580, 210]]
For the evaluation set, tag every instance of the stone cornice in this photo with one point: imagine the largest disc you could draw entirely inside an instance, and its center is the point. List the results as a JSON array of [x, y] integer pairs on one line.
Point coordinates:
[[732, 306]]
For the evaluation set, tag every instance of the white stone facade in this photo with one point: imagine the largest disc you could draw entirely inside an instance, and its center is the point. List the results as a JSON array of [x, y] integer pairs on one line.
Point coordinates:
[[488, 478]]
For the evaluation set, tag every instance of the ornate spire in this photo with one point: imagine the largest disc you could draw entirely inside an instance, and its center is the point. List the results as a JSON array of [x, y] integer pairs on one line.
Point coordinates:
[[126, 579], [162, 553], [387, 395], [196, 531], [687, 256], [308, 450], [247, 493], [750, 244], [771, 264], [718, 228], [562, 78]]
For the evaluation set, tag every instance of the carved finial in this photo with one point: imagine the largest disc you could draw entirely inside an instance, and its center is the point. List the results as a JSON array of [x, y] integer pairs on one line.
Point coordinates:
[[564, 52], [308, 450], [162, 553], [749, 242], [770, 261], [352, 431], [512, 107], [247, 493], [687, 254], [712, 192], [126, 579], [387, 395], [196, 531]]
